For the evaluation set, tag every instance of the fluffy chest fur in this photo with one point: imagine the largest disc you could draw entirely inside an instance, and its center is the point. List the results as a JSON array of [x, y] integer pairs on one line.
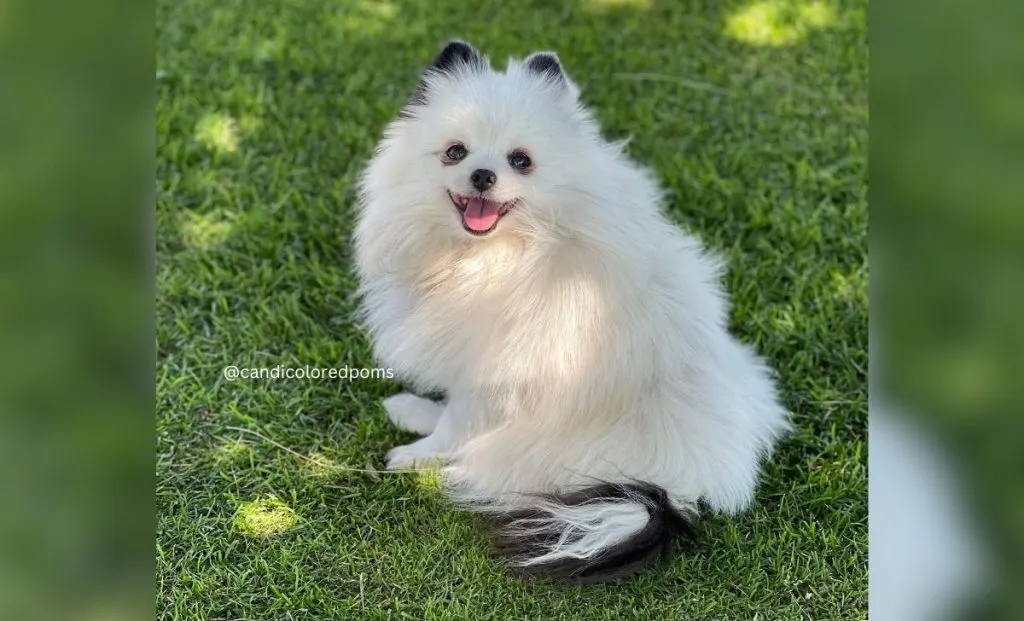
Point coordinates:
[[486, 316]]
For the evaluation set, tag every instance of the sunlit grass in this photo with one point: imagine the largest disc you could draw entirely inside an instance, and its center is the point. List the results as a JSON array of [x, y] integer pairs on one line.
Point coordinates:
[[779, 22], [430, 479], [218, 132], [204, 231], [851, 286], [367, 16], [265, 517], [320, 465], [270, 49], [232, 451]]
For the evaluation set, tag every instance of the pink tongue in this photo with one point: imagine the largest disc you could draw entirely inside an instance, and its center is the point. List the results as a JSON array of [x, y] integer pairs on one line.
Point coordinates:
[[480, 215]]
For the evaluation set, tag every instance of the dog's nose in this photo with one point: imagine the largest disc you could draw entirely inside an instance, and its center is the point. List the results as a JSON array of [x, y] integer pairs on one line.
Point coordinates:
[[483, 179]]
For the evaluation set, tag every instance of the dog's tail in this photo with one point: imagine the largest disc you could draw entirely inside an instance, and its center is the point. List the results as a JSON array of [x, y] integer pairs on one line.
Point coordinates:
[[596, 534]]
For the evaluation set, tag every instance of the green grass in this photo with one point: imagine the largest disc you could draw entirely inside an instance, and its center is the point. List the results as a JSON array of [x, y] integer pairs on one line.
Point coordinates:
[[755, 120]]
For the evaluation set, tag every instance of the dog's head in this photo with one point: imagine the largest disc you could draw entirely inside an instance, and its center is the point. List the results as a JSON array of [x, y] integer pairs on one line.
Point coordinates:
[[478, 153]]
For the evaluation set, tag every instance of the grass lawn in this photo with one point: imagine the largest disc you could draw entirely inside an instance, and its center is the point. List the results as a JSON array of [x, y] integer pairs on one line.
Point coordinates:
[[754, 116]]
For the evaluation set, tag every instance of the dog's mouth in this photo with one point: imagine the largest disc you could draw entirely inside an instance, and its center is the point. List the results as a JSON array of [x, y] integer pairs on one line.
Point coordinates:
[[480, 215]]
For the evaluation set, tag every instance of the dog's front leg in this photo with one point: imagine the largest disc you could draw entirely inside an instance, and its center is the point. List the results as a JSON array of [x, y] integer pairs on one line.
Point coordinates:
[[451, 429]]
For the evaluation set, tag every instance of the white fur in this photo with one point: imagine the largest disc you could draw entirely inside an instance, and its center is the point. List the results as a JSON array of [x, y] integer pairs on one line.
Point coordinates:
[[413, 413], [584, 531], [584, 339]]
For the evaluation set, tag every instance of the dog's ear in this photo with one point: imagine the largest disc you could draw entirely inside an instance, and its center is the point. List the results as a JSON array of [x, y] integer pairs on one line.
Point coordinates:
[[547, 65], [456, 55]]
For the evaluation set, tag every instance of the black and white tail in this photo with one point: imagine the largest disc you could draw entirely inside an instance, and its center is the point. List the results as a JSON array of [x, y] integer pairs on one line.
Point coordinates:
[[596, 534]]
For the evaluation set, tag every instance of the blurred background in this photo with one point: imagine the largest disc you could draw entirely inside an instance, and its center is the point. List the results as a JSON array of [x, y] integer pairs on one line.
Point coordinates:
[[947, 298], [76, 324], [76, 302]]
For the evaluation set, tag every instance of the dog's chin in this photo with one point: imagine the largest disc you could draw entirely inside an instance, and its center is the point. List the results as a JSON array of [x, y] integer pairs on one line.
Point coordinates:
[[479, 215]]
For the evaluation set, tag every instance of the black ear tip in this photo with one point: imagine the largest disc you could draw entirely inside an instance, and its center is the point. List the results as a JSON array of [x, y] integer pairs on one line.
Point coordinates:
[[544, 62], [455, 52], [457, 46]]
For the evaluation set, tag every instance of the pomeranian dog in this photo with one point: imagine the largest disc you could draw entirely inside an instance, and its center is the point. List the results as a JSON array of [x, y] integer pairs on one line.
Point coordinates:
[[514, 260]]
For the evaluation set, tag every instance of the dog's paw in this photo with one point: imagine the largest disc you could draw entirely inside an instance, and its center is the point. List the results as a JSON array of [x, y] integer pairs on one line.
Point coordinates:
[[412, 413], [418, 455]]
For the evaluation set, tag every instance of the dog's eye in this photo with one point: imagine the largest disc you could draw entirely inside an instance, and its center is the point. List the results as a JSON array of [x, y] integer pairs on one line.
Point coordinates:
[[519, 160], [456, 153]]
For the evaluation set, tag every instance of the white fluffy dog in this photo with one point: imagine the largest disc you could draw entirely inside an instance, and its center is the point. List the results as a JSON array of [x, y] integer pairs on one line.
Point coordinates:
[[512, 258]]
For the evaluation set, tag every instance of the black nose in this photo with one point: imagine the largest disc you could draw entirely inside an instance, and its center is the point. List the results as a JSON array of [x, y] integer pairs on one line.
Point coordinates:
[[483, 179]]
